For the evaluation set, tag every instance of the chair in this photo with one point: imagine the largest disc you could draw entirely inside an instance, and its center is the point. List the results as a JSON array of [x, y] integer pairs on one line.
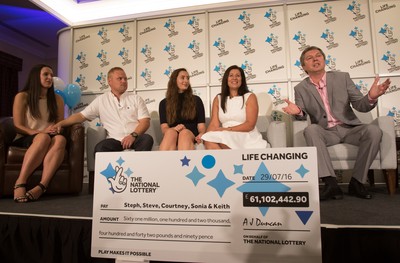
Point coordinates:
[[68, 178], [272, 131], [343, 155]]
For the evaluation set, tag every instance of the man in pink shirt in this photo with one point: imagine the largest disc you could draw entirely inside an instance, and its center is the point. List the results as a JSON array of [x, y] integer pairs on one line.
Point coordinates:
[[327, 97]]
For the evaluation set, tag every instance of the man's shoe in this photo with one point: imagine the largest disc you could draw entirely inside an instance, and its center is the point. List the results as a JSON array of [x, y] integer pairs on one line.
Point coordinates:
[[331, 192], [357, 189]]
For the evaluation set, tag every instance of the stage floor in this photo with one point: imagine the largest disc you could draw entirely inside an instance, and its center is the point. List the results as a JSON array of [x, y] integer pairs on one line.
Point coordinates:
[[381, 211]]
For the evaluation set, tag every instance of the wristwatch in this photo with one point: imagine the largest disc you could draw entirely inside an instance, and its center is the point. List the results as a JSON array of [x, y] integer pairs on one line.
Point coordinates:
[[134, 135]]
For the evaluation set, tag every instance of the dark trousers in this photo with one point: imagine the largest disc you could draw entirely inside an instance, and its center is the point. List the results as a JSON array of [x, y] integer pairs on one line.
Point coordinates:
[[143, 142]]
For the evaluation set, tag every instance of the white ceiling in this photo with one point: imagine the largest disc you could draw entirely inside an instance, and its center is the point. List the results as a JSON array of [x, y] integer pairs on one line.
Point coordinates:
[[85, 12]]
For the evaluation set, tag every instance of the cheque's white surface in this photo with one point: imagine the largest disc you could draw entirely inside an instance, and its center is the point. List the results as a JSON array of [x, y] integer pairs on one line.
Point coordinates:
[[208, 206]]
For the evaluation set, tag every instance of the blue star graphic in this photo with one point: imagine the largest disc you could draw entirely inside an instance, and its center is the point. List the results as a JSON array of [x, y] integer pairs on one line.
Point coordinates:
[[267, 15], [352, 33], [268, 40], [191, 45], [302, 171], [79, 57], [108, 172], [216, 44], [185, 161], [167, 24], [324, 35], [129, 172], [238, 169], [258, 185], [195, 176], [120, 161], [190, 22], [220, 183], [322, 10], [296, 37]]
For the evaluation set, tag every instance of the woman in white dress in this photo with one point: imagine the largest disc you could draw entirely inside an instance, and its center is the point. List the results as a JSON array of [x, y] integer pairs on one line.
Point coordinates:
[[234, 115]]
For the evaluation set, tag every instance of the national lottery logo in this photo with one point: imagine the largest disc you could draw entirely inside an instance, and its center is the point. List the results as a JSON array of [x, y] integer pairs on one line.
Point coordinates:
[[330, 62], [168, 72], [390, 59], [81, 82], [248, 70], [395, 113], [271, 16], [245, 18], [146, 51], [102, 56], [387, 32], [124, 54], [300, 38], [194, 23], [220, 69], [245, 41], [275, 93], [170, 49], [81, 57], [102, 79], [327, 12], [357, 34], [220, 45], [297, 64], [121, 179], [170, 26], [124, 31], [355, 9], [103, 34], [330, 38], [272, 40], [195, 47], [362, 86], [146, 74]]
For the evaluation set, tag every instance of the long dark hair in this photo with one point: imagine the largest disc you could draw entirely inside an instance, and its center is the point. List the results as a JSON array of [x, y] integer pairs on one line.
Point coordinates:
[[188, 110], [33, 88], [243, 89]]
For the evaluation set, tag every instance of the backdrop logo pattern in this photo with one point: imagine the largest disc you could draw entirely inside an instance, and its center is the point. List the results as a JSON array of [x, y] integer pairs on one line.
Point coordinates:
[[194, 23], [81, 57], [124, 31], [275, 93], [387, 32], [220, 45], [103, 34], [355, 9], [245, 18], [360, 63], [357, 34], [220, 69], [327, 12], [219, 22], [390, 59], [271, 16], [362, 86], [248, 70], [395, 113], [329, 37], [196, 73], [385, 7], [274, 68], [170, 26], [297, 64], [168, 71], [195, 47], [299, 15], [170, 49], [102, 56], [147, 30], [82, 37], [124, 54], [146, 51], [330, 62], [81, 82], [245, 41], [101, 78], [146, 74], [300, 38], [272, 39]]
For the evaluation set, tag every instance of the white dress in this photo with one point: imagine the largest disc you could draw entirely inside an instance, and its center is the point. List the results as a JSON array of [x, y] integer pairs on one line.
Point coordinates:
[[235, 114]]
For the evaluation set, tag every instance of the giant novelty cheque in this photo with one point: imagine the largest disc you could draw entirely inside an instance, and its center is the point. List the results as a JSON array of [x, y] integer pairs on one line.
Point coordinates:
[[207, 206]]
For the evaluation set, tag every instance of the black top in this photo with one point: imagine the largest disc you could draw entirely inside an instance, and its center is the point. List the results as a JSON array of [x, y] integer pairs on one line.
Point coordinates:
[[189, 124]]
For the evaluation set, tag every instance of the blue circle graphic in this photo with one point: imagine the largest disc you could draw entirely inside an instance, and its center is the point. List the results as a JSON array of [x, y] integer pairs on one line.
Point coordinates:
[[208, 161]]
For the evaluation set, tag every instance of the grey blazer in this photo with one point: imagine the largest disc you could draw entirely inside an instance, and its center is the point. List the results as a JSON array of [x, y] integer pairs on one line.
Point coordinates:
[[342, 93]]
